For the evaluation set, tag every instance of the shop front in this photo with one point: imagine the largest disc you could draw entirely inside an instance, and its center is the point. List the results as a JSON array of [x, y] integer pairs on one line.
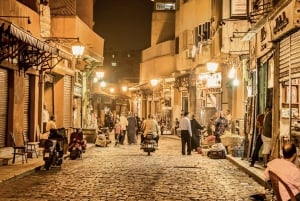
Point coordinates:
[[286, 36], [23, 60]]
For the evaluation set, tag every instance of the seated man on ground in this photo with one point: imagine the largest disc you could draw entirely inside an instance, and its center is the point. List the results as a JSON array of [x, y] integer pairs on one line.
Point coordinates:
[[287, 170]]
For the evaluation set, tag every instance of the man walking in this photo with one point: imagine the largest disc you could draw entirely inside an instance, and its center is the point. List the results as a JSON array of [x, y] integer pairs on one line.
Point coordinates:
[[258, 141], [267, 135], [186, 134], [132, 127]]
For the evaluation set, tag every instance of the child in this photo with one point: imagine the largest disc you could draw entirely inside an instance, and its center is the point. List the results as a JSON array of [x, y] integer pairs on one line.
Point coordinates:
[[117, 132]]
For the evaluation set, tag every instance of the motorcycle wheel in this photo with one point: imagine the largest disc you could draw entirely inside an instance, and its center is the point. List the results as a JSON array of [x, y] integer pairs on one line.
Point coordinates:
[[47, 165], [73, 154]]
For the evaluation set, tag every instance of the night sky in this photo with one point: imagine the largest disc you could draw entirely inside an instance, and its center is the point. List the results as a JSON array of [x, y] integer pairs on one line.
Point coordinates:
[[124, 24]]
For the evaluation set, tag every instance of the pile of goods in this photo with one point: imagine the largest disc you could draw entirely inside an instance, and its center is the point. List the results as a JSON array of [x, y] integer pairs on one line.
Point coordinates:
[[230, 140]]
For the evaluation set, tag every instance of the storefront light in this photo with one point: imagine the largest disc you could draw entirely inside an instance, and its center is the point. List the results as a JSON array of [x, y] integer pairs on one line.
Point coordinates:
[[112, 90], [77, 50], [124, 88], [154, 82], [212, 67], [235, 82], [100, 75], [232, 73], [103, 84]]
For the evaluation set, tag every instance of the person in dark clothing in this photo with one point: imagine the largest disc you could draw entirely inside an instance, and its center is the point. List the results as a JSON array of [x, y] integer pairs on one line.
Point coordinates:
[[258, 141], [221, 125], [195, 125]]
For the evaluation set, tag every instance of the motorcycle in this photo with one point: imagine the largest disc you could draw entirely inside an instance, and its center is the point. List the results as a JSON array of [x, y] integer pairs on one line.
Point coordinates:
[[77, 145], [54, 148], [149, 144], [102, 139]]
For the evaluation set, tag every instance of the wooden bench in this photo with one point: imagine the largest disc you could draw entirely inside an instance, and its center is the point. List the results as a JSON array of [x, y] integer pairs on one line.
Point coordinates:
[[5, 160]]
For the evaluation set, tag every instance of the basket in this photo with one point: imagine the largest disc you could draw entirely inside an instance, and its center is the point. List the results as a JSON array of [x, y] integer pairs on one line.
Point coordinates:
[[229, 139]]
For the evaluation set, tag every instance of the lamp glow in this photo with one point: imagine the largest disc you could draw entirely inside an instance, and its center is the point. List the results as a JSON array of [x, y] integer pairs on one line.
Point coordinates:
[[102, 84], [99, 75], [77, 50], [212, 67], [154, 82], [235, 82], [232, 73], [112, 90], [124, 88]]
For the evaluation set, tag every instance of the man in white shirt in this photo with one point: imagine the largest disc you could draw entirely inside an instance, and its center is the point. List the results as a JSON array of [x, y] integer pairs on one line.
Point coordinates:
[[186, 133], [51, 124], [150, 125], [286, 169]]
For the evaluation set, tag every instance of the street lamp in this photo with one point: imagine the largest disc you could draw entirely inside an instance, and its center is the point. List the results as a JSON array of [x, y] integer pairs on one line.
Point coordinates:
[[99, 75], [102, 84], [77, 47], [77, 50], [232, 73], [212, 67], [112, 90], [124, 88], [154, 82]]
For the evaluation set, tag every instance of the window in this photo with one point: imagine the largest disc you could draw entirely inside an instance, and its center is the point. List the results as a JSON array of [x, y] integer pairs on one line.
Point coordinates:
[[165, 6], [238, 8]]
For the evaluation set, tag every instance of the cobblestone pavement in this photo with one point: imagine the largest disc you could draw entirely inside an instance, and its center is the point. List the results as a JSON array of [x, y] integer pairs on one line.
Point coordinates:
[[127, 173]]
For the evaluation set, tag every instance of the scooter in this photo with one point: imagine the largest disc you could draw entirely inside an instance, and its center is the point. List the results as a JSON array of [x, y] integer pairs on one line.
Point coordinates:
[[77, 145], [54, 148], [102, 139], [149, 144]]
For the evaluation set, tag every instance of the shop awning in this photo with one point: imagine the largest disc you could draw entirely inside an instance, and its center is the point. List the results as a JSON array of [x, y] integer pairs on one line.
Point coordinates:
[[138, 86], [256, 28], [28, 38], [29, 51]]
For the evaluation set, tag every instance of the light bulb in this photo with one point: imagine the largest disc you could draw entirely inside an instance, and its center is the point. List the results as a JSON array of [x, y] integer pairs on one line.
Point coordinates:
[[232, 73], [235, 82]]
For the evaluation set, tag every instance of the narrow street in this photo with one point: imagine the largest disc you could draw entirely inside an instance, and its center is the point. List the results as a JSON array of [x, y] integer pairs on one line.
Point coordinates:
[[127, 173]]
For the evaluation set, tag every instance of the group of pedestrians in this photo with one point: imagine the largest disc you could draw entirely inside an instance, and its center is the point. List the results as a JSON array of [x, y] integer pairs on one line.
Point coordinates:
[[190, 130], [190, 133], [126, 126], [133, 126]]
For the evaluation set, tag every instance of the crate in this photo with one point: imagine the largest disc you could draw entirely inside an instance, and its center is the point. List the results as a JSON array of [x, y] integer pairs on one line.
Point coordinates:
[[237, 152], [216, 154]]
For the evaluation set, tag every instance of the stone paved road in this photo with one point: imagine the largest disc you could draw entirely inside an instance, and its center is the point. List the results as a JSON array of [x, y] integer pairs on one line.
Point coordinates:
[[127, 173]]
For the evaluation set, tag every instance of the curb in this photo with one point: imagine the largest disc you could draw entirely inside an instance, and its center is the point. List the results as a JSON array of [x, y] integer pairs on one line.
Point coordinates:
[[256, 177], [252, 174]]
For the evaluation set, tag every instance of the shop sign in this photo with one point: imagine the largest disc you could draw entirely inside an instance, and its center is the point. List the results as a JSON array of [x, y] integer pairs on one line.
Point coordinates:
[[213, 90], [280, 22], [285, 20], [263, 42]]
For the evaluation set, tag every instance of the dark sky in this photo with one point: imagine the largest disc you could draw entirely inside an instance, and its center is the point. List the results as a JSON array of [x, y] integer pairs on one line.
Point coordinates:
[[124, 24]]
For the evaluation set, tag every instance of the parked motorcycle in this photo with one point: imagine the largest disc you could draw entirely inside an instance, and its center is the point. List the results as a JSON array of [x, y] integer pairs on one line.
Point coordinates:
[[54, 148], [149, 144], [103, 139], [77, 144]]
